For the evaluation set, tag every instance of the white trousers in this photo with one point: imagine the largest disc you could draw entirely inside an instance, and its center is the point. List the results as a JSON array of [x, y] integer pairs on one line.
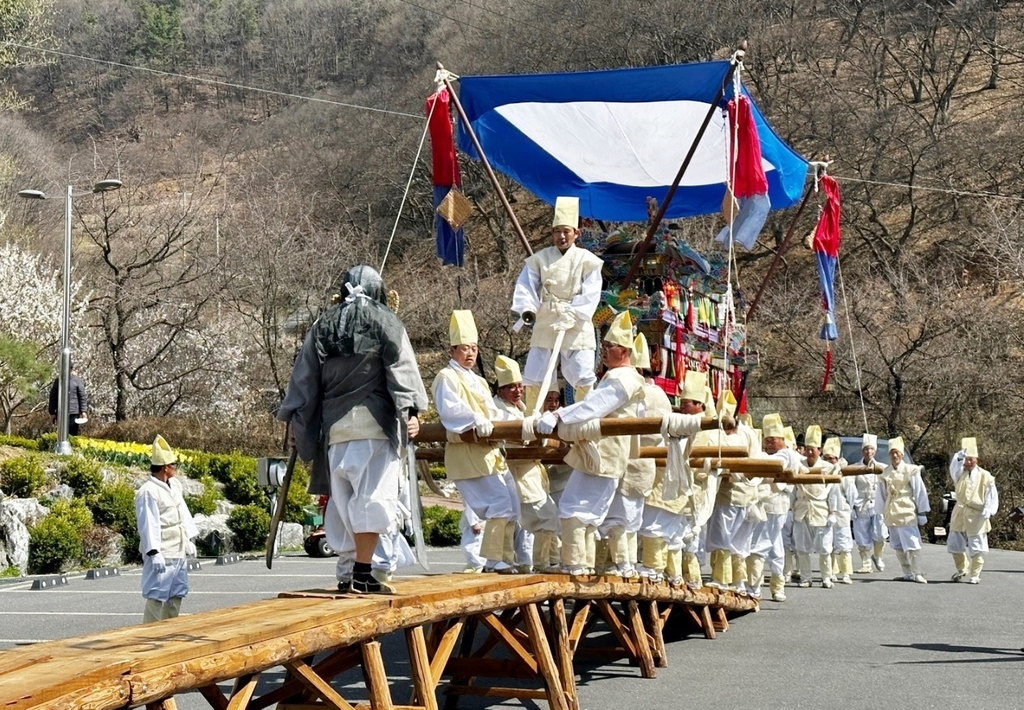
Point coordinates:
[[729, 529], [577, 367], [470, 542], [767, 542], [905, 538], [542, 515], [491, 497], [963, 544], [842, 537], [661, 524], [811, 539], [587, 498], [869, 529], [626, 512]]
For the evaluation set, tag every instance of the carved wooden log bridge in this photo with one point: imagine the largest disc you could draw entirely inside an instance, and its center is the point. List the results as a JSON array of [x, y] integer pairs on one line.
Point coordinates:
[[474, 632]]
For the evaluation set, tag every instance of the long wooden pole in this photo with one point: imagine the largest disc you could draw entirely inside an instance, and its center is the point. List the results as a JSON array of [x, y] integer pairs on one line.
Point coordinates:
[[646, 243], [483, 160], [512, 430], [531, 453]]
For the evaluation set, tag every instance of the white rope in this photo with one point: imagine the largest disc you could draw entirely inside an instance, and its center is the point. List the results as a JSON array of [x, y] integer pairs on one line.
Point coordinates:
[[408, 185], [853, 350]]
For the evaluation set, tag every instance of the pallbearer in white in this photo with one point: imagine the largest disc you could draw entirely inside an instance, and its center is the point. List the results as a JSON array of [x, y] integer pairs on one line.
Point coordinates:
[[869, 529], [977, 500], [814, 513], [842, 537], [904, 502], [559, 289]]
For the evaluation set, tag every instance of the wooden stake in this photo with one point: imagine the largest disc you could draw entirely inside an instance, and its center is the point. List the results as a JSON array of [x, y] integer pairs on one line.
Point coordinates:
[[560, 633], [318, 685], [657, 633], [376, 676], [245, 687], [545, 661], [419, 662], [643, 646]]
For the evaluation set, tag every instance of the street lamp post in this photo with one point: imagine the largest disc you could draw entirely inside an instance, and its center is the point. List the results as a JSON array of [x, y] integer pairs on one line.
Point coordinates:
[[64, 376]]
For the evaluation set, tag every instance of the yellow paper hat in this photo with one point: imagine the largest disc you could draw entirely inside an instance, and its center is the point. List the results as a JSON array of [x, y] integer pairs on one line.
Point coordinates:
[[789, 436], [462, 329], [727, 404], [869, 440], [567, 212], [812, 437], [162, 454], [771, 427], [896, 444], [759, 436], [620, 332], [746, 420], [832, 447], [508, 371], [709, 404], [641, 357], [970, 446], [694, 386]]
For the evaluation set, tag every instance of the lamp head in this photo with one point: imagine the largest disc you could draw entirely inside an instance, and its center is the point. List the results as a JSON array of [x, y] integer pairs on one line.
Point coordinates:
[[107, 185], [32, 194]]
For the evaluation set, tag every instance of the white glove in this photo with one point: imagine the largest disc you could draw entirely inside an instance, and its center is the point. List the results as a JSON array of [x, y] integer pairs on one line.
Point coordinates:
[[737, 477], [159, 566], [831, 518], [484, 428], [565, 321], [961, 454], [853, 513], [190, 549], [922, 519], [547, 423]]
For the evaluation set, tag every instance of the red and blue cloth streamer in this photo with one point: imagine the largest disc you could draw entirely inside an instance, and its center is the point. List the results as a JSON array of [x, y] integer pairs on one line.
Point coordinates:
[[826, 252], [445, 171]]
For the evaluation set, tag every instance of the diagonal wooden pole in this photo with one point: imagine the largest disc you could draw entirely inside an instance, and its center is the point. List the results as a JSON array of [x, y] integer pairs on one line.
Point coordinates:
[[656, 222], [483, 159]]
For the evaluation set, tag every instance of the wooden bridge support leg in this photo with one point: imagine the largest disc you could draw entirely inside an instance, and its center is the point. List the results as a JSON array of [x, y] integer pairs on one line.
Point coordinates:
[[560, 633], [657, 625], [244, 689], [545, 661], [640, 640], [707, 622], [419, 661], [376, 676], [720, 619], [308, 677], [167, 704]]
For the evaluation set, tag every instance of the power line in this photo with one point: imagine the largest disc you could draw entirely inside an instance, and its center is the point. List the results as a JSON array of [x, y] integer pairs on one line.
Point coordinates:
[[948, 191], [216, 82], [450, 18]]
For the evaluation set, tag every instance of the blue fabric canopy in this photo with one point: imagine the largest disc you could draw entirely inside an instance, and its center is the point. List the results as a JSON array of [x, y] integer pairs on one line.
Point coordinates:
[[614, 138]]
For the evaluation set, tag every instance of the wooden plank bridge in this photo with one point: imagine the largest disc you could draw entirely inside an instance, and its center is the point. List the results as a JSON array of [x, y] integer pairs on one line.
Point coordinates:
[[465, 634]]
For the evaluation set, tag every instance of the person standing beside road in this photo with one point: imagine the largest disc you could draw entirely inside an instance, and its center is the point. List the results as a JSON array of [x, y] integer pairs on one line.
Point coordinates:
[[904, 502], [977, 500], [166, 530], [354, 394], [78, 401]]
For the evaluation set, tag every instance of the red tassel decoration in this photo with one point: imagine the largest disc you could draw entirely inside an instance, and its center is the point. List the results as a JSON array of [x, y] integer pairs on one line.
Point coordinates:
[[828, 368], [749, 179]]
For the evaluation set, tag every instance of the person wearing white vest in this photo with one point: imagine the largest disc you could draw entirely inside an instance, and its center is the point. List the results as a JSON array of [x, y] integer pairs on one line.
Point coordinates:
[[905, 506], [869, 529], [842, 536], [736, 515], [463, 401], [814, 514], [767, 542], [558, 289], [597, 466], [166, 530], [977, 500], [537, 512]]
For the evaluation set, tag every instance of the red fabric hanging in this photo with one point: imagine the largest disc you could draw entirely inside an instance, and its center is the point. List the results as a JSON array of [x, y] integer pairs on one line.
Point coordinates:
[[749, 179], [442, 145], [828, 368]]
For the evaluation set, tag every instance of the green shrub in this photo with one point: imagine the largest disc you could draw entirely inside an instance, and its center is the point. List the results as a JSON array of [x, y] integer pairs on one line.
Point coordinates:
[[47, 441], [20, 442], [10, 572], [298, 498], [22, 476], [114, 506], [250, 524], [83, 475], [441, 526], [206, 502], [96, 541], [53, 543], [241, 486], [75, 512], [437, 471]]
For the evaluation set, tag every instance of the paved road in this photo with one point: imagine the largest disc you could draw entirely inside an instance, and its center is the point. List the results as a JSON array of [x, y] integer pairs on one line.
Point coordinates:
[[875, 644]]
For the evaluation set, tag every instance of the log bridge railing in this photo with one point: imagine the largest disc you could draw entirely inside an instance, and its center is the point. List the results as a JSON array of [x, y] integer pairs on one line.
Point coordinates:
[[476, 631]]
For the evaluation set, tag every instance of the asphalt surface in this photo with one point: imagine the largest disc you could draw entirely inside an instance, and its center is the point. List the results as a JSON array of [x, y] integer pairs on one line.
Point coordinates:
[[875, 644]]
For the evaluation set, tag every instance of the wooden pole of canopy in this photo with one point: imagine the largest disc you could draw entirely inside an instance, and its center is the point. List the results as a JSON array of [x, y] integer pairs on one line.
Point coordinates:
[[513, 431], [656, 222], [484, 161]]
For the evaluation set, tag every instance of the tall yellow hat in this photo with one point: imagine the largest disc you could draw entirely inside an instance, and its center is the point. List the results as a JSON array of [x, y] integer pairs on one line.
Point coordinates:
[[727, 404], [567, 212], [641, 357], [896, 445], [772, 427], [970, 446], [709, 403], [508, 371], [832, 447], [869, 440], [812, 437], [620, 332], [746, 420], [462, 329], [694, 386], [790, 437], [163, 454]]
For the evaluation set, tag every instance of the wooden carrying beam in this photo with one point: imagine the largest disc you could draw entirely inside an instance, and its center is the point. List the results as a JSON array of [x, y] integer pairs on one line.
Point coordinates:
[[541, 453], [513, 431]]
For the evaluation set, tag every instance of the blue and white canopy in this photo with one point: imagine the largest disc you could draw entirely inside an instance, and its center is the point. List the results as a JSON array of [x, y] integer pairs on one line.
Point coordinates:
[[614, 138]]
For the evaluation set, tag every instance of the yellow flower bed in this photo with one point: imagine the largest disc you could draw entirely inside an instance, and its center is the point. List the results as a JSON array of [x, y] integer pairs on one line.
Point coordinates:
[[128, 453]]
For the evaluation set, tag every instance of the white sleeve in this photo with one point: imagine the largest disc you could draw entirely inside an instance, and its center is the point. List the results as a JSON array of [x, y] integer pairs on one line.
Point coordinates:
[[956, 467], [587, 301], [455, 415], [147, 515], [991, 501], [881, 491], [599, 402], [917, 490], [526, 295]]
